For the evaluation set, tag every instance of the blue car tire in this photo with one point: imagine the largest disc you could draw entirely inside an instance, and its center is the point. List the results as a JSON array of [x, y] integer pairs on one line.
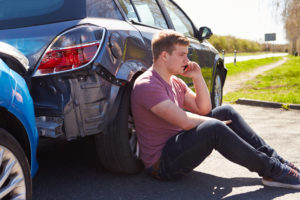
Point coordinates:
[[15, 179]]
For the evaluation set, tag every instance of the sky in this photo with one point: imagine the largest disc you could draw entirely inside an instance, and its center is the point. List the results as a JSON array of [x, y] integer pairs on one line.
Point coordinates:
[[245, 19]]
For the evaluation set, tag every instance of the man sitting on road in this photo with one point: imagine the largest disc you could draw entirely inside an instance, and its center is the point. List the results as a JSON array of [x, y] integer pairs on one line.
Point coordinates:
[[177, 128]]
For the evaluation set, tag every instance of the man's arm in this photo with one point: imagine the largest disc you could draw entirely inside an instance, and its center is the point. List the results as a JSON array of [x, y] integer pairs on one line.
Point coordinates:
[[176, 116], [198, 102]]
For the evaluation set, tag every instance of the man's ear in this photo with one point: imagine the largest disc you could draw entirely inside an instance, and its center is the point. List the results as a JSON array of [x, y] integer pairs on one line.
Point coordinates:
[[164, 55]]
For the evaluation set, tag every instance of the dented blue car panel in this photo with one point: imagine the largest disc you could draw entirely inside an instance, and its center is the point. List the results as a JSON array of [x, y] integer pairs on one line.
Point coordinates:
[[16, 99]]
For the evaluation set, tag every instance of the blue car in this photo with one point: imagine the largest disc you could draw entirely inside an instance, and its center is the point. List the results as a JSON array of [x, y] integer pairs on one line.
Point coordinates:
[[18, 133]]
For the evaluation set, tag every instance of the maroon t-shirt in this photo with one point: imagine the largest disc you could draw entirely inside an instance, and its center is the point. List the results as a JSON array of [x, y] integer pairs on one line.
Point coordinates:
[[153, 132]]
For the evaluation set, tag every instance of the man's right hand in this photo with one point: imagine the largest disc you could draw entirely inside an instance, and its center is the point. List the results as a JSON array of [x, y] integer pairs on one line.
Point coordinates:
[[226, 122], [192, 70]]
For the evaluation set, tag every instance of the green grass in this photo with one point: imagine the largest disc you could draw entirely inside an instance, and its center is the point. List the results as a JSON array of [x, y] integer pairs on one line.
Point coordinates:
[[245, 66], [281, 84]]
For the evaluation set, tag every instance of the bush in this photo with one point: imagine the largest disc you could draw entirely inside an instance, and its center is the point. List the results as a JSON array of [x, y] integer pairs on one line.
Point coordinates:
[[230, 43]]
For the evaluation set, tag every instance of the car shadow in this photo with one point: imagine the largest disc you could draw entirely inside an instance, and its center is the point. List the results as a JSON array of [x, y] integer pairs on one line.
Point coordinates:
[[71, 170]]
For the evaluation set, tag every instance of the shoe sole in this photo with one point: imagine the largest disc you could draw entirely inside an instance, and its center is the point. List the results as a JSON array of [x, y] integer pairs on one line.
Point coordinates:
[[278, 184]]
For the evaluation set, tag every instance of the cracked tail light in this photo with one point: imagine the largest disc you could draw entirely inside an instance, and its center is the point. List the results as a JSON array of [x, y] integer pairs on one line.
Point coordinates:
[[73, 49]]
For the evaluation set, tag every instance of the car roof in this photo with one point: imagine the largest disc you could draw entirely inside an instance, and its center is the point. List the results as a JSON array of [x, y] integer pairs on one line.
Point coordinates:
[[17, 14]]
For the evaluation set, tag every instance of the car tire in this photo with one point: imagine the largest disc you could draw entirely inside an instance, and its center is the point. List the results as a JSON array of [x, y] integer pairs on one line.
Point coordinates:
[[15, 179], [217, 90], [117, 145]]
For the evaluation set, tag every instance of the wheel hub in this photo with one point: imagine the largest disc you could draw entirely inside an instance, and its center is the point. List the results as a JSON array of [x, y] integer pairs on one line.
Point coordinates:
[[218, 91], [12, 184], [132, 137]]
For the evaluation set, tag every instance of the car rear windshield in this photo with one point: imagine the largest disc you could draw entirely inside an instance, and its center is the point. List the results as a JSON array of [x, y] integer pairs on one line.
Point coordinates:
[[20, 13]]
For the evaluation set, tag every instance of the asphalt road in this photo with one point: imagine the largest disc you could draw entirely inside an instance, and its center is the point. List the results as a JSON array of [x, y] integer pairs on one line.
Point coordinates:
[[230, 59], [70, 170]]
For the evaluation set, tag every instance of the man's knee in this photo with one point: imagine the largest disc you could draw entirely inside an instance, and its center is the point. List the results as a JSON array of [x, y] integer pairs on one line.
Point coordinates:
[[211, 131], [230, 111], [211, 124], [228, 108]]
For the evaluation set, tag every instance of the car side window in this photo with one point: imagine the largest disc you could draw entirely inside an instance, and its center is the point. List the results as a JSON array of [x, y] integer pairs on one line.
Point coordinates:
[[181, 23], [150, 13], [128, 9], [103, 8]]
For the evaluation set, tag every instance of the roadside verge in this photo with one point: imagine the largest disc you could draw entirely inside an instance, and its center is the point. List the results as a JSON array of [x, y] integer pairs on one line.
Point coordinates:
[[236, 82], [278, 88]]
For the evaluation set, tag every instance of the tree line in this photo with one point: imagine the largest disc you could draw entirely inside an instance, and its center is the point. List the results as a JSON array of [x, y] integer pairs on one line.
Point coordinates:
[[231, 43], [291, 18]]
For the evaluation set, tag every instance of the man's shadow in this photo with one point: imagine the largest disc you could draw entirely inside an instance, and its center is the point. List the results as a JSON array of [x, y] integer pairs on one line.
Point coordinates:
[[71, 170], [214, 187]]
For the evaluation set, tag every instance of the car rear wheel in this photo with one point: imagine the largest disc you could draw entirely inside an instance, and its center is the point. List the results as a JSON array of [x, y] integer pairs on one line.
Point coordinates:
[[217, 92], [15, 179], [117, 146]]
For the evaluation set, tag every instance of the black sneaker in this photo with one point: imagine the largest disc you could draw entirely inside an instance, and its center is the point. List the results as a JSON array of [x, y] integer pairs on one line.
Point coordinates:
[[287, 163], [292, 166], [289, 178]]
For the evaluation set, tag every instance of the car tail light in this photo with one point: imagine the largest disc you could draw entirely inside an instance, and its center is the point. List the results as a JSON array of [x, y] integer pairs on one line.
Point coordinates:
[[73, 49]]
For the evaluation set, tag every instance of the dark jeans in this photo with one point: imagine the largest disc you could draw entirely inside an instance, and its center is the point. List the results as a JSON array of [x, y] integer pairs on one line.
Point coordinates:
[[237, 142]]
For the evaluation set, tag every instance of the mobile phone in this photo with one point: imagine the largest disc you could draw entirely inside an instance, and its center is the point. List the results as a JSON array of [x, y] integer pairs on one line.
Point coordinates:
[[185, 68]]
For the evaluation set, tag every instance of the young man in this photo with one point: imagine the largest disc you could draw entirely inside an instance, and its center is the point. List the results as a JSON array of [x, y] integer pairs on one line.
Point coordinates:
[[177, 128]]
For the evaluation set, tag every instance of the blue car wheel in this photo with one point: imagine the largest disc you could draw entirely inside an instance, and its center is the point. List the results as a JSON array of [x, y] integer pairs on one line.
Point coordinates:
[[15, 180]]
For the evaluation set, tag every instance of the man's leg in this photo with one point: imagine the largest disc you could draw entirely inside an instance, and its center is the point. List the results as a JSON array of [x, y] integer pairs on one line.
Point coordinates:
[[240, 127], [188, 149]]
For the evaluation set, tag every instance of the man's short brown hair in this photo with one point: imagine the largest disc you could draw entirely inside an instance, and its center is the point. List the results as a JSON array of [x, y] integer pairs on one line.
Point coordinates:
[[166, 40]]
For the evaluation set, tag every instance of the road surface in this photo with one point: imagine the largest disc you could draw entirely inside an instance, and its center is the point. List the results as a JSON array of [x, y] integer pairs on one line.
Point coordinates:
[[70, 170], [230, 59]]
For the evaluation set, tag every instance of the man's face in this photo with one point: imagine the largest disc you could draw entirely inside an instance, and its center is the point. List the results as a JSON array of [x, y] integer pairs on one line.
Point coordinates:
[[177, 59]]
